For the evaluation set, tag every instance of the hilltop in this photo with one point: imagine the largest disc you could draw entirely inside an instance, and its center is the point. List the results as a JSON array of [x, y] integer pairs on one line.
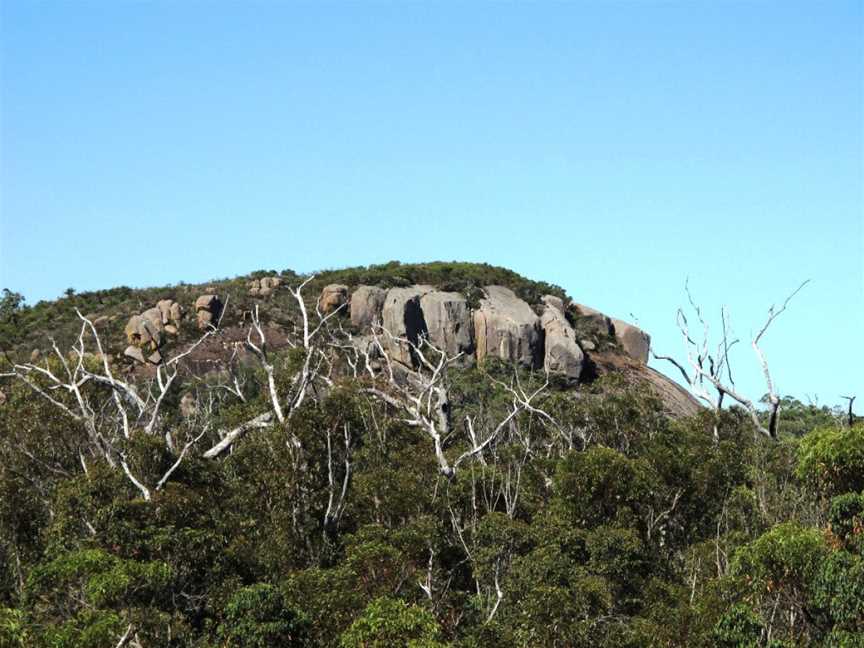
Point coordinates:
[[601, 344]]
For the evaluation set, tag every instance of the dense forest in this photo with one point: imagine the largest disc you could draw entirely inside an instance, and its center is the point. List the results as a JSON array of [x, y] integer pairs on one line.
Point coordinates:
[[306, 489]]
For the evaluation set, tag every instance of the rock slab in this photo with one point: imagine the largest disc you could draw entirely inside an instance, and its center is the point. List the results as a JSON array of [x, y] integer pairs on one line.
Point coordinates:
[[562, 355], [635, 342], [448, 322], [505, 327], [403, 322], [367, 303]]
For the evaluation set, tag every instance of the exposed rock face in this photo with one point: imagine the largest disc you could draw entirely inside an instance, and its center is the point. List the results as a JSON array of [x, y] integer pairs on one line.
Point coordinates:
[[562, 355], [366, 305], [207, 310], [555, 302], [448, 322], [402, 317], [603, 323], [332, 297], [264, 286], [677, 401], [506, 327], [633, 340]]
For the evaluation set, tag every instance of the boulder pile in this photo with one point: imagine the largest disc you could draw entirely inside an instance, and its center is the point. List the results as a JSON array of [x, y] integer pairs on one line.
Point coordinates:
[[264, 286], [147, 332], [502, 326]]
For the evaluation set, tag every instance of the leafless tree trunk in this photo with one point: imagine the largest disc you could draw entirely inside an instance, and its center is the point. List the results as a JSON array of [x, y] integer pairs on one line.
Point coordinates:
[[708, 369], [109, 424], [850, 416]]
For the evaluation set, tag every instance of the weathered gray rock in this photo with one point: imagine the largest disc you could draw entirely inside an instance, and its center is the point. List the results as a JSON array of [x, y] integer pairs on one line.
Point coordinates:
[[600, 321], [204, 320], [562, 356], [207, 302], [207, 311], [448, 322], [332, 297], [366, 305], [164, 306], [148, 331], [170, 313], [154, 316], [135, 353], [555, 302], [264, 286], [635, 342], [507, 328], [402, 317], [144, 332]]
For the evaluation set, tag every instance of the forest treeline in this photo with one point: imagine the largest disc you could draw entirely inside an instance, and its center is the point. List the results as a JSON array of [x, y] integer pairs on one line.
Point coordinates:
[[322, 496]]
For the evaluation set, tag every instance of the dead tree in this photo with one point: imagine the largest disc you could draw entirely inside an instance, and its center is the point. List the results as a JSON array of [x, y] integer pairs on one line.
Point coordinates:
[[108, 408], [420, 394], [707, 380], [850, 416], [315, 358]]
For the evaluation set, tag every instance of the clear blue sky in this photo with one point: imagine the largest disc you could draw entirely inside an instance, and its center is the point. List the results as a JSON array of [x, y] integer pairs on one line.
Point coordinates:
[[611, 148]]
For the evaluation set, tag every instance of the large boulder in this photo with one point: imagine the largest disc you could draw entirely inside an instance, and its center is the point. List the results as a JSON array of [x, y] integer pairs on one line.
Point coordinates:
[[366, 305], [264, 286], [154, 316], [507, 328], [170, 313], [563, 356], [635, 342], [402, 319], [144, 332], [208, 308], [448, 322], [332, 297], [599, 321]]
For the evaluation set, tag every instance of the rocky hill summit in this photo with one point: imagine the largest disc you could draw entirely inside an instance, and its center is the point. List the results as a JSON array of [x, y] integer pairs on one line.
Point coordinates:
[[471, 312]]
